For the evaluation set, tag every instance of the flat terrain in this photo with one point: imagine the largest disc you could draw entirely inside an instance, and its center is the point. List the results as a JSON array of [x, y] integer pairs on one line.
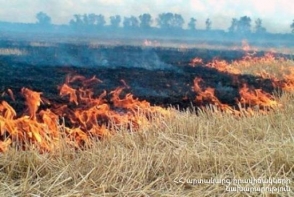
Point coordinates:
[[169, 153], [162, 76]]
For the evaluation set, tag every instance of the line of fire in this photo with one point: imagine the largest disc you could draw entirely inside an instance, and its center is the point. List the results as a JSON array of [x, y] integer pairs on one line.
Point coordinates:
[[85, 107]]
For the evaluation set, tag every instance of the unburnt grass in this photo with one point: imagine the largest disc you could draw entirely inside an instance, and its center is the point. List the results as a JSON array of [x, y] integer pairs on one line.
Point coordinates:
[[169, 157], [164, 159]]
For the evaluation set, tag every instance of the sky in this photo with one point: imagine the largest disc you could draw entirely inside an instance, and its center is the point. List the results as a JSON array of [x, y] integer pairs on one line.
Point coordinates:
[[277, 15]]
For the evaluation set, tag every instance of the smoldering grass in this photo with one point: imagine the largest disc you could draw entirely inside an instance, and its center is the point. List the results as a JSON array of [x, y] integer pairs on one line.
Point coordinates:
[[12, 51], [147, 162], [157, 159]]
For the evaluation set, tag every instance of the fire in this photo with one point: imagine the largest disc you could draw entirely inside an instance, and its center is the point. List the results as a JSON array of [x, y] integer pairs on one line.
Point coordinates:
[[223, 66], [246, 47], [33, 101], [256, 97], [249, 98], [4, 145], [23, 129], [196, 61], [287, 81], [90, 116], [84, 114], [67, 90], [207, 96]]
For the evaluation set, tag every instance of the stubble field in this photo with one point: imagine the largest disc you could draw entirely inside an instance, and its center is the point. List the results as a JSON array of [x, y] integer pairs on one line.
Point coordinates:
[[207, 127]]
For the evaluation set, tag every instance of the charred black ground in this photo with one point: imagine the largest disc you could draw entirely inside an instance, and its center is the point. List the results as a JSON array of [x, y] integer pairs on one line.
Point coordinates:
[[164, 79]]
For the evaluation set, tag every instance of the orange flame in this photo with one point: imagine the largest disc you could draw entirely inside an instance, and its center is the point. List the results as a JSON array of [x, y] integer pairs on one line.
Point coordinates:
[[90, 117], [66, 90], [33, 101], [249, 97], [100, 115], [196, 61], [256, 97], [208, 96]]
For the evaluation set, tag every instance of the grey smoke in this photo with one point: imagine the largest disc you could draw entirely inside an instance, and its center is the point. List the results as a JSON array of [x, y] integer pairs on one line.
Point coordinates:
[[86, 56]]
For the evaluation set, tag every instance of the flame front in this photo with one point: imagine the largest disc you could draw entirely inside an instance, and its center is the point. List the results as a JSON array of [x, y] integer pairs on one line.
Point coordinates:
[[266, 67], [89, 116], [83, 114]]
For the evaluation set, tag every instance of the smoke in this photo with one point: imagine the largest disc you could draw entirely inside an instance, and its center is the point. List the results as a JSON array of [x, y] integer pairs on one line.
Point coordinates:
[[11, 52], [220, 12], [82, 55]]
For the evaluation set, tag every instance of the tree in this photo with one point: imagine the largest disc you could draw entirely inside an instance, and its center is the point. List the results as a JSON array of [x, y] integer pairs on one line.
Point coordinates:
[[130, 22], [234, 24], [145, 21], [77, 21], [241, 26], [115, 21], [292, 26], [258, 27], [244, 25], [192, 24], [178, 21], [43, 18], [208, 24], [92, 19], [164, 19], [100, 20], [170, 20], [88, 20]]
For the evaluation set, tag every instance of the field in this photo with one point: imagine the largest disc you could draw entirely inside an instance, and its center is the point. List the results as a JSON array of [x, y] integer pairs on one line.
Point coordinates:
[[144, 121]]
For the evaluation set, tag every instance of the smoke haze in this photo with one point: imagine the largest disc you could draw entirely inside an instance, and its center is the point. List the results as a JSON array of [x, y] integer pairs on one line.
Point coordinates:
[[276, 15]]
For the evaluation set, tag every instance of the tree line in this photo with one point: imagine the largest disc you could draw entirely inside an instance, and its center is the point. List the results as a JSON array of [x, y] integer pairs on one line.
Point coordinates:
[[165, 21]]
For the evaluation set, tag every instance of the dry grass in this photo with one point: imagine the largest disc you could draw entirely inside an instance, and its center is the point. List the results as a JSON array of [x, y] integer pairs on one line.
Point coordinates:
[[163, 159], [12, 51], [146, 163]]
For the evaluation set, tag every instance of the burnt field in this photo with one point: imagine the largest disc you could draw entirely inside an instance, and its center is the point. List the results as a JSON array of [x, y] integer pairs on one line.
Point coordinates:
[[162, 76], [81, 119]]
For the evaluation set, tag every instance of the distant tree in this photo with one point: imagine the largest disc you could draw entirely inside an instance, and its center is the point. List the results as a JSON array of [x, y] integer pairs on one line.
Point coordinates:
[[178, 21], [234, 25], [100, 20], [170, 20], [92, 19], [292, 26], [145, 21], [115, 21], [244, 25], [164, 20], [43, 18], [192, 24], [86, 20], [127, 22], [130, 22], [77, 21], [258, 26], [208, 24]]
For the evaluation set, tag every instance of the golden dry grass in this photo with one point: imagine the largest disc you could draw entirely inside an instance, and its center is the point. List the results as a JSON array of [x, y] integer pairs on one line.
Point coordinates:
[[165, 159], [12, 51], [181, 147]]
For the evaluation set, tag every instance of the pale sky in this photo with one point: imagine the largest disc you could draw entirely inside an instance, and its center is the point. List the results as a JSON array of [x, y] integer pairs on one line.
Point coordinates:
[[277, 15]]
